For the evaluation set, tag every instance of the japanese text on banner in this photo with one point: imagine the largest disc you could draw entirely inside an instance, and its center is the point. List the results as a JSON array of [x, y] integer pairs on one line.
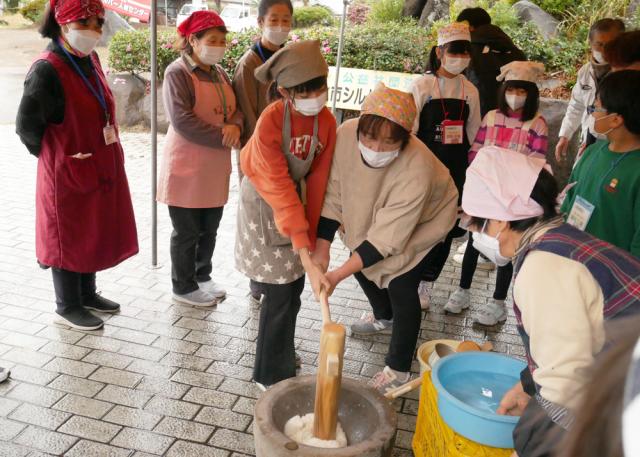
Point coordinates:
[[355, 84]]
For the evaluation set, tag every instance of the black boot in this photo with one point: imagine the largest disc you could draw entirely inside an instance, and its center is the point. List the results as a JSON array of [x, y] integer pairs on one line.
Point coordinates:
[[93, 300], [67, 285]]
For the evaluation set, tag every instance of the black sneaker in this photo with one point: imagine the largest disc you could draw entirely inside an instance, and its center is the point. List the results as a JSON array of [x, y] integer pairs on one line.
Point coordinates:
[[99, 303], [80, 319], [4, 374]]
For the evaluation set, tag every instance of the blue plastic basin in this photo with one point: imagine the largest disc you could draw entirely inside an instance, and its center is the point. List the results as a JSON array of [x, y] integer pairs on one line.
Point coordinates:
[[470, 386]]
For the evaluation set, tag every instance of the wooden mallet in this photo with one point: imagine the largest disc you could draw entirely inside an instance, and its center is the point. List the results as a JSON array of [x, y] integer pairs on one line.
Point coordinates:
[[329, 379]]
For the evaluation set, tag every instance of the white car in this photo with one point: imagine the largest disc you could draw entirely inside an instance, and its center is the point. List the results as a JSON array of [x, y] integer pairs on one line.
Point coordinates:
[[189, 8], [238, 18]]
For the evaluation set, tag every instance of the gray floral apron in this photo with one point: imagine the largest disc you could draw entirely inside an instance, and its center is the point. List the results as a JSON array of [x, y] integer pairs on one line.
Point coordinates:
[[262, 253]]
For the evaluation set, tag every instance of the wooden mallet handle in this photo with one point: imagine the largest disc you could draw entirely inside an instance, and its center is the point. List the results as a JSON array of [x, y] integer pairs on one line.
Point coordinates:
[[324, 306], [329, 379]]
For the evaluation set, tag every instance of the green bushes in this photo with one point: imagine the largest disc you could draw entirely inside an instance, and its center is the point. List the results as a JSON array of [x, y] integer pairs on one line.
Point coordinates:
[[129, 51], [557, 7], [395, 46], [33, 10], [358, 13], [307, 16], [385, 11], [401, 46]]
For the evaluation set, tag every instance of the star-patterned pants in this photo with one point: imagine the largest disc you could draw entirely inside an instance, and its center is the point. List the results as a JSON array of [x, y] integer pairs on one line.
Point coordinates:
[[275, 351]]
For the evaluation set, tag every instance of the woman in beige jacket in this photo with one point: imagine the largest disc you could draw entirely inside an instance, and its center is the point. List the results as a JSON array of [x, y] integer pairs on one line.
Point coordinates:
[[393, 201]]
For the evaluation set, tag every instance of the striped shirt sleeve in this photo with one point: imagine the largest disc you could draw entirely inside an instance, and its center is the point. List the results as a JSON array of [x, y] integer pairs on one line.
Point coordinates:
[[537, 141], [481, 136]]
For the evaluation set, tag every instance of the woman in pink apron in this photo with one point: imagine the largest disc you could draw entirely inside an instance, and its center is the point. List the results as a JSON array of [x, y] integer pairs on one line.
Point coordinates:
[[194, 175], [84, 215]]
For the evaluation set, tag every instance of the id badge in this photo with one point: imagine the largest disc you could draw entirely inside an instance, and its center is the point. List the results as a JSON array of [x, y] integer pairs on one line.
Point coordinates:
[[452, 132], [580, 213], [109, 133]]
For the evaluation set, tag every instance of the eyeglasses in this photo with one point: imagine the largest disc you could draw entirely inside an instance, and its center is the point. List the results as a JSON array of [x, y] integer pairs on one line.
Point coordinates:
[[594, 109]]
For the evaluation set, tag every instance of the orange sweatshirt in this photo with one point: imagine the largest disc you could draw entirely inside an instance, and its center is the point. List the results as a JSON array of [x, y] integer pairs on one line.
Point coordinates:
[[263, 162]]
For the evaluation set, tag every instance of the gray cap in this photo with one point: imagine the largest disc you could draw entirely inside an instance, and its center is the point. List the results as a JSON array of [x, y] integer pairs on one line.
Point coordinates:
[[294, 64]]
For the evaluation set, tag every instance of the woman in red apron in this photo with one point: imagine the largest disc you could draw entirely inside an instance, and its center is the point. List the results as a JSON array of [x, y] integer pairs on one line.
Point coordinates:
[[84, 215], [194, 175]]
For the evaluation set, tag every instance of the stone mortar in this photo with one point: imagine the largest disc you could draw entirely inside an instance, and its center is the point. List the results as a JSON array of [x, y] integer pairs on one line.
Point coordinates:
[[368, 420]]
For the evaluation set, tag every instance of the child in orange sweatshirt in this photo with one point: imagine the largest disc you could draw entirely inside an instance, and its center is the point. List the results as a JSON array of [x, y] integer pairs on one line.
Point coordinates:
[[286, 163]]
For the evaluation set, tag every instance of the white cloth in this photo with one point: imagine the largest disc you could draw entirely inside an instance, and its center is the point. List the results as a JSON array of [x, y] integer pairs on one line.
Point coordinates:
[[582, 95], [424, 89], [499, 184]]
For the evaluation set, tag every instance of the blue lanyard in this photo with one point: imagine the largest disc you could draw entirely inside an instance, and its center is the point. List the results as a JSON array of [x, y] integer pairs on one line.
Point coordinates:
[[99, 94], [264, 59]]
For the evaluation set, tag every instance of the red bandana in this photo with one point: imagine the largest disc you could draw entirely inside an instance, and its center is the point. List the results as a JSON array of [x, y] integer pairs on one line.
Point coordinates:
[[73, 10], [199, 21]]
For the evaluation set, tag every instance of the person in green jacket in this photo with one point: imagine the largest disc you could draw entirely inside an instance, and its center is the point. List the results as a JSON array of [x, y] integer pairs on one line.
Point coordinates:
[[604, 189]]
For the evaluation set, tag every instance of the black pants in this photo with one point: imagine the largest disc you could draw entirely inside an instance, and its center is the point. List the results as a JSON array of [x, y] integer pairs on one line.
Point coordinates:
[[535, 434], [437, 257], [192, 243], [254, 288], [469, 264], [401, 303], [275, 351], [72, 288]]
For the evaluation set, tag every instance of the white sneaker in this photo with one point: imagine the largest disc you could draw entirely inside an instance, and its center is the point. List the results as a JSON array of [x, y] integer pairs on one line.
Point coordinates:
[[483, 262], [388, 379], [424, 292], [198, 297], [4, 374], [262, 387], [459, 300], [369, 325], [462, 248], [213, 288], [495, 311]]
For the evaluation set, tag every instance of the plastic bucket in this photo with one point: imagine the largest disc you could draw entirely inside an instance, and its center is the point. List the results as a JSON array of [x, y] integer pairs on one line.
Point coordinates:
[[476, 424]]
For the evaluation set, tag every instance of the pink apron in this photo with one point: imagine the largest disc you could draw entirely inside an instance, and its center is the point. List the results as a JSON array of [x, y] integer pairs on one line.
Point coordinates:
[[194, 176]]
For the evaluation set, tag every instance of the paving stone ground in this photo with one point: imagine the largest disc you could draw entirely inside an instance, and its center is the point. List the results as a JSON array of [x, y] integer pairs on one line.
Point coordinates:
[[163, 379]]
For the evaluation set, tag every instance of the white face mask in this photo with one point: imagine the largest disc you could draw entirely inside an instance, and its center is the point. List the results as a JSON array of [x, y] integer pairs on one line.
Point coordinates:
[[455, 65], [211, 55], [310, 106], [83, 41], [591, 122], [515, 102], [490, 247], [377, 159], [276, 35], [598, 57]]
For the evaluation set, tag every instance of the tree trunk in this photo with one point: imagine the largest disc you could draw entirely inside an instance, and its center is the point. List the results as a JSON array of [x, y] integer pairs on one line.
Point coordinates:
[[413, 8], [434, 10]]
